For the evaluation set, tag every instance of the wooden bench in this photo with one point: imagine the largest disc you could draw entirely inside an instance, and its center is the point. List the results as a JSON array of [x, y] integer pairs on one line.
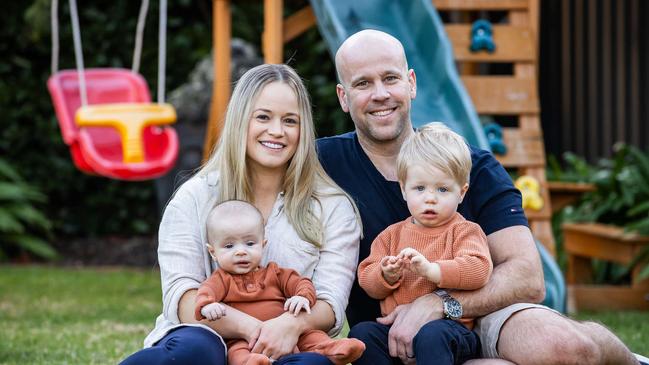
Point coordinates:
[[587, 241]]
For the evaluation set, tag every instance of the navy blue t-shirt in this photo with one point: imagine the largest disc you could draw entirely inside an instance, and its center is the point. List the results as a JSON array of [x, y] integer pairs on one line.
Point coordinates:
[[492, 201]]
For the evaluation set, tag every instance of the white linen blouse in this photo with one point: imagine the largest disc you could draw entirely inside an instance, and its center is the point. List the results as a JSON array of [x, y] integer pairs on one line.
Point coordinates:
[[185, 262]]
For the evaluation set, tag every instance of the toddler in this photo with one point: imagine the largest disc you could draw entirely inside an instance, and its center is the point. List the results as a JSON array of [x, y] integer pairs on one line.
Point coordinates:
[[432, 250]]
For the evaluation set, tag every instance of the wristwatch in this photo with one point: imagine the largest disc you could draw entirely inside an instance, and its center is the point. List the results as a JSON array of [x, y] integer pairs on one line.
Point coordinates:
[[452, 308]]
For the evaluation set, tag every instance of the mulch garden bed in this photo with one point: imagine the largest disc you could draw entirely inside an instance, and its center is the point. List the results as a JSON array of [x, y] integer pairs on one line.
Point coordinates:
[[108, 251]]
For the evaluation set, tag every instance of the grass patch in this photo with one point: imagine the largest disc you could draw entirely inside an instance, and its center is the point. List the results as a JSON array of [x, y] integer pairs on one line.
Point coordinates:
[[53, 315], [75, 316], [632, 327]]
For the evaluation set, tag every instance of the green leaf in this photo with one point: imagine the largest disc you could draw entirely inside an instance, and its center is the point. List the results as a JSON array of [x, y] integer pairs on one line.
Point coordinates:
[[9, 223], [10, 191], [642, 160], [576, 170], [32, 244], [19, 192], [8, 172], [30, 215], [640, 226], [640, 208]]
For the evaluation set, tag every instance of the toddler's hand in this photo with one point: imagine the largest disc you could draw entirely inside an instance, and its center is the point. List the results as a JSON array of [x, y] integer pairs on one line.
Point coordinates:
[[213, 311], [391, 267], [415, 261], [296, 303]]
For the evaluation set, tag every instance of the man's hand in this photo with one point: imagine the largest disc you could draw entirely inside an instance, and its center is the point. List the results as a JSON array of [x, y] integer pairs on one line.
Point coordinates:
[[391, 266], [277, 337], [296, 303], [213, 311], [406, 321], [419, 264]]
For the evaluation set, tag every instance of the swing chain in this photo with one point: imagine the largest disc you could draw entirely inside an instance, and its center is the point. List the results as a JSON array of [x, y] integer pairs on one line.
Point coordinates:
[[137, 52]]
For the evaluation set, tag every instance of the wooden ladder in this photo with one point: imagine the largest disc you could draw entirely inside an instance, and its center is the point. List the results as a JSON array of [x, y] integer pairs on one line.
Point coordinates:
[[514, 95]]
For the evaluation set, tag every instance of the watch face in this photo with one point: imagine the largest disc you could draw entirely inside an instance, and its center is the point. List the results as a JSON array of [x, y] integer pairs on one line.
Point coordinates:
[[453, 308]]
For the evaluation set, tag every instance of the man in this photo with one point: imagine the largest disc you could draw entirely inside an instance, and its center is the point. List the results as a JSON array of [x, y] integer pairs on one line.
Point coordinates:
[[376, 88]]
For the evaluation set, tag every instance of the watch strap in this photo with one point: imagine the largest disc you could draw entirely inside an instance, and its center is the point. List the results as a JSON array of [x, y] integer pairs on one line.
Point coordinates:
[[442, 293], [446, 299]]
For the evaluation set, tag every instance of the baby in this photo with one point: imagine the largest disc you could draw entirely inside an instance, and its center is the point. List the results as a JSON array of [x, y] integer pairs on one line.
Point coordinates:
[[235, 232], [433, 248]]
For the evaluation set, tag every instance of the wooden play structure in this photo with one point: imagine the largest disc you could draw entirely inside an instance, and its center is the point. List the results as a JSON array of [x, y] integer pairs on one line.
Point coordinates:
[[514, 96]]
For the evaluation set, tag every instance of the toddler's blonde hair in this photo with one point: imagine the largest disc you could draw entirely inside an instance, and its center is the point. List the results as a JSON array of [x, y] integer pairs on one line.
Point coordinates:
[[435, 144]]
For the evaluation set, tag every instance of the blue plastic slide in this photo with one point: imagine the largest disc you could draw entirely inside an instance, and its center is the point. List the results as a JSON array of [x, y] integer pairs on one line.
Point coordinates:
[[440, 93]]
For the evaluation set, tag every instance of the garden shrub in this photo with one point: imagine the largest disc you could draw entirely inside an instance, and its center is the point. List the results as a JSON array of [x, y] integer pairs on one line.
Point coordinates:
[[22, 225], [621, 198]]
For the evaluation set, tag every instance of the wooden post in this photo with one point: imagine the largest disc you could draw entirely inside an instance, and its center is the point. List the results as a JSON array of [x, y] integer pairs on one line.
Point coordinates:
[[272, 40], [221, 37], [298, 23]]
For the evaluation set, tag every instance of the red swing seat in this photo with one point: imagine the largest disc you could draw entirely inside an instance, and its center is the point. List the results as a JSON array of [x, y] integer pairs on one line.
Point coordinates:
[[99, 149]]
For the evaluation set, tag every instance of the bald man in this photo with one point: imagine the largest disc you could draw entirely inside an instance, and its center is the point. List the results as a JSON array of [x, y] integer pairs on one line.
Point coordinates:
[[376, 88]]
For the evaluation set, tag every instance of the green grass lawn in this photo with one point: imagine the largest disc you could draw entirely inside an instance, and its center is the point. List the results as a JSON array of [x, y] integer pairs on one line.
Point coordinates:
[[74, 316], [52, 315]]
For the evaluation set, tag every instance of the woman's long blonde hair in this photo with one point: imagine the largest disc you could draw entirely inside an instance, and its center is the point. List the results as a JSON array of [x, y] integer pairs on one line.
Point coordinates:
[[305, 178]]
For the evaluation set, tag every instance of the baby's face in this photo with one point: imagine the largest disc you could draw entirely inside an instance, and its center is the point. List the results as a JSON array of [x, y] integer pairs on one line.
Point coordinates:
[[432, 196], [236, 243]]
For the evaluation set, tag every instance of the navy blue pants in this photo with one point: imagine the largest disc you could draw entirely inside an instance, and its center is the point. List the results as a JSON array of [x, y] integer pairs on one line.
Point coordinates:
[[438, 342], [195, 345]]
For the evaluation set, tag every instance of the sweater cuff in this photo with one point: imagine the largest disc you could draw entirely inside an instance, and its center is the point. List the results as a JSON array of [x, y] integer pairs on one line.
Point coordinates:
[[171, 308], [308, 293], [450, 271], [387, 286], [200, 303]]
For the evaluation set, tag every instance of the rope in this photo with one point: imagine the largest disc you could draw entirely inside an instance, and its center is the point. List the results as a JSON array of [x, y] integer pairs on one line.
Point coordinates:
[[78, 55], [137, 52], [162, 50], [141, 21], [55, 36]]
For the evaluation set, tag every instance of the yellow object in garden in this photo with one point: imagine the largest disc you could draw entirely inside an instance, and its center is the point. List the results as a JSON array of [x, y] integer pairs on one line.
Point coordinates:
[[531, 192], [129, 119]]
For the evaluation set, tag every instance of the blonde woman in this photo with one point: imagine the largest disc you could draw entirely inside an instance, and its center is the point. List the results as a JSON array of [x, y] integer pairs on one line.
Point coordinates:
[[266, 155]]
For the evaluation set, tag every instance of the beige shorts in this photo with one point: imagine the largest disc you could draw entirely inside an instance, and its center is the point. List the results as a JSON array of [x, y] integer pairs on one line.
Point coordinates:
[[488, 327]]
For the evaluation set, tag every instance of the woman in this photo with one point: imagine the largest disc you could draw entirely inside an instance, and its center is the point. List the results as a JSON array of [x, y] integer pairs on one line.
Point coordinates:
[[267, 156]]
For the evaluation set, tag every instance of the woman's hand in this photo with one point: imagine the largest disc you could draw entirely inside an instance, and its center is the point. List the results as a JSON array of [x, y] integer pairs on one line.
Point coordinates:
[[277, 337]]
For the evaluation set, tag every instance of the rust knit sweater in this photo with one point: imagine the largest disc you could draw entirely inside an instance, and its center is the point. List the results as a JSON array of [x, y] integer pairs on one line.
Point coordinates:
[[260, 293], [459, 247]]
